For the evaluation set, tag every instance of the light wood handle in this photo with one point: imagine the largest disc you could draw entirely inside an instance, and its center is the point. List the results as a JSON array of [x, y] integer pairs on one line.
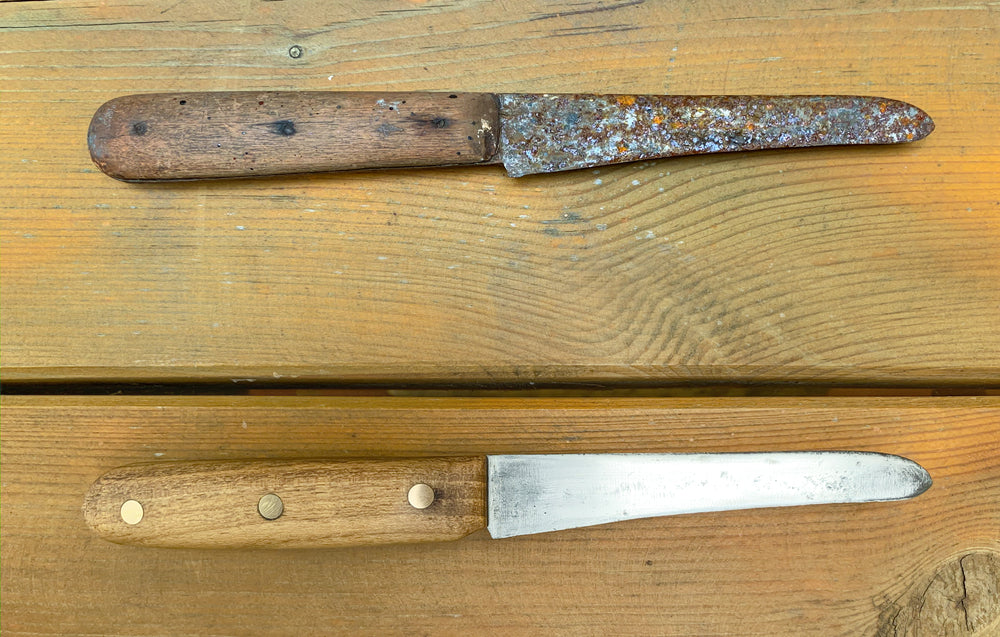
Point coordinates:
[[245, 134], [313, 503]]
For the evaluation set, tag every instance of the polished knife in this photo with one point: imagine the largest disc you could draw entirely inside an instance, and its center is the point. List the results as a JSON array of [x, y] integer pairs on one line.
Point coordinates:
[[169, 136], [328, 503]]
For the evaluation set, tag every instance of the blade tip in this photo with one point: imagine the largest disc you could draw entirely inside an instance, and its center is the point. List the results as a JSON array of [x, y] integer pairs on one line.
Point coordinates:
[[924, 124], [916, 477], [924, 482], [907, 123]]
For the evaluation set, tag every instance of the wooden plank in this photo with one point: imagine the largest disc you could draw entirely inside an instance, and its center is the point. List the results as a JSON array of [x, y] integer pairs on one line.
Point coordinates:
[[930, 566], [837, 265]]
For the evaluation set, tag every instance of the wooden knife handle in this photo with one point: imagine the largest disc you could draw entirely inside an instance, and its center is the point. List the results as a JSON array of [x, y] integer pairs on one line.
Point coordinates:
[[245, 134], [293, 504]]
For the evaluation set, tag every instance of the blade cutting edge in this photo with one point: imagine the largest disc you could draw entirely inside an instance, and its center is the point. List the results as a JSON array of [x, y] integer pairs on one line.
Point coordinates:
[[539, 493]]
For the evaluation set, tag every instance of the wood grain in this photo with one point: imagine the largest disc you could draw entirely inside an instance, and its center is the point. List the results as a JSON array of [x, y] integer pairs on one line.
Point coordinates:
[[325, 503], [848, 265], [888, 569], [254, 134]]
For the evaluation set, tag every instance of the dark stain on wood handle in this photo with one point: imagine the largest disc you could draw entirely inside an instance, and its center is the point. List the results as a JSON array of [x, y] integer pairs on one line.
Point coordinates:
[[244, 134]]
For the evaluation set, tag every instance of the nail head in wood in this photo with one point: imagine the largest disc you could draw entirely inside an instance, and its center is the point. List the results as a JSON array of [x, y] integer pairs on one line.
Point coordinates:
[[420, 496], [270, 507], [131, 512]]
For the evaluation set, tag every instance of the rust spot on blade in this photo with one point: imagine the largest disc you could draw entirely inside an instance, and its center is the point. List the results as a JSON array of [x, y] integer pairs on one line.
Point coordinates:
[[549, 133]]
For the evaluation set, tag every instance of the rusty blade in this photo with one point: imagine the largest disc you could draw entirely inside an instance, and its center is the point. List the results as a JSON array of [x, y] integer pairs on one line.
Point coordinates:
[[550, 133]]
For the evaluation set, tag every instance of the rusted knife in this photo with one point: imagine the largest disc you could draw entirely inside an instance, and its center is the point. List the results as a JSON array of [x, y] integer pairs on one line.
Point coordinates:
[[304, 504], [244, 134]]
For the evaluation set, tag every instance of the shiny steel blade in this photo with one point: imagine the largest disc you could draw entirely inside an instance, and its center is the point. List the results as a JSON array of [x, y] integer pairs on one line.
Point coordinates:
[[539, 493], [544, 133]]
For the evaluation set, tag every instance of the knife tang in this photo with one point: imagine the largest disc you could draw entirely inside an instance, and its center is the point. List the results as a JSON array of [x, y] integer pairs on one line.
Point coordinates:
[[244, 133], [289, 504]]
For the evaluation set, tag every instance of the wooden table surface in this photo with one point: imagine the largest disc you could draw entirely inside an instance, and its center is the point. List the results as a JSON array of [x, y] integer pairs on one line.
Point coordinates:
[[927, 567], [840, 266], [835, 265]]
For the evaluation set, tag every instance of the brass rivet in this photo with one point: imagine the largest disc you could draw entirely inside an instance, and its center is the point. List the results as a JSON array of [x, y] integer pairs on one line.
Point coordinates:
[[270, 507], [420, 496], [131, 512]]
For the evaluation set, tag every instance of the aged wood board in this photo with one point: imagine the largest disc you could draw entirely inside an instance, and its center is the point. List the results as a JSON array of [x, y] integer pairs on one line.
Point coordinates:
[[921, 568], [856, 265]]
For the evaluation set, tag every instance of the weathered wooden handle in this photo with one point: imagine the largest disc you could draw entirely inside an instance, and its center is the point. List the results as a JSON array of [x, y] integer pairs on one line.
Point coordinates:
[[245, 134], [293, 504]]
